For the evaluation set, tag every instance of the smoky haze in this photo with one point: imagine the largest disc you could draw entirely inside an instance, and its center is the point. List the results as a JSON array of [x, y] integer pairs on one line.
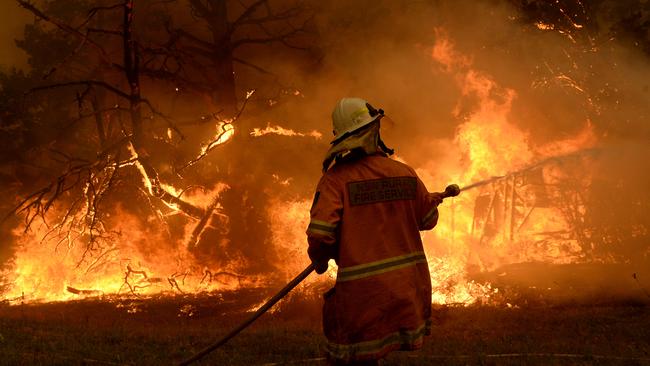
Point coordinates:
[[529, 80], [13, 20]]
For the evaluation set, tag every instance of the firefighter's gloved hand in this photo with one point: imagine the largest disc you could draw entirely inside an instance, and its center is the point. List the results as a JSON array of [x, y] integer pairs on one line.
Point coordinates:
[[321, 267], [318, 258], [320, 255], [436, 198]]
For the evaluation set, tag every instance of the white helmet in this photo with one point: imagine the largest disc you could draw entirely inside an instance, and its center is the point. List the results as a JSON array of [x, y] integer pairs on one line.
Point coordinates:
[[350, 114]]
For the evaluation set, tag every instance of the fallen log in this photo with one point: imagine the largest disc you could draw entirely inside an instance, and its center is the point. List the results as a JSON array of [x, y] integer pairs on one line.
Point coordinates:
[[203, 222], [185, 207], [81, 292]]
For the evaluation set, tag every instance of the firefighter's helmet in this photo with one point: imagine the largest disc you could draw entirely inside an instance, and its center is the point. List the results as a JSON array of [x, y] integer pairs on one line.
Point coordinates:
[[350, 114]]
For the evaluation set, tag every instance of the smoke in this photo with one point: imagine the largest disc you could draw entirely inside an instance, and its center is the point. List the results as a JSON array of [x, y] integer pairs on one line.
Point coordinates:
[[560, 80], [379, 50]]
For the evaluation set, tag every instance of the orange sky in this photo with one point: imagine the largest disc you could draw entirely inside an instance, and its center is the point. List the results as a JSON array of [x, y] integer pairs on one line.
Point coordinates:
[[12, 20]]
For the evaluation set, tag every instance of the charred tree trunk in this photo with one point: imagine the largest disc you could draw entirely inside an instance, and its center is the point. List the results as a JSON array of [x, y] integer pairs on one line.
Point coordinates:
[[225, 94], [131, 64], [215, 14], [99, 118], [132, 73]]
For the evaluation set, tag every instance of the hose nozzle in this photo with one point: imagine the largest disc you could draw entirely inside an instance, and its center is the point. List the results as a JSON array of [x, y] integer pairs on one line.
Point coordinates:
[[452, 190]]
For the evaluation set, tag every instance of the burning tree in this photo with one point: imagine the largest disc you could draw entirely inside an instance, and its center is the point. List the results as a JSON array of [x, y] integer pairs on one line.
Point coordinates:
[[107, 143], [600, 200]]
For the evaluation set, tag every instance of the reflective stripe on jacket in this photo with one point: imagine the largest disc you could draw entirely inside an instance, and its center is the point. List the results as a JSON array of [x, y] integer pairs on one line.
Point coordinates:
[[367, 215]]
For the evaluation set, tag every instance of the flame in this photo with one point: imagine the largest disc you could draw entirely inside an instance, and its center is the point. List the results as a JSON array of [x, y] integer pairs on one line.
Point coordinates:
[[490, 144], [146, 181], [136, 258], [544, 26], [278, 130], [225, 131], [290, 220]]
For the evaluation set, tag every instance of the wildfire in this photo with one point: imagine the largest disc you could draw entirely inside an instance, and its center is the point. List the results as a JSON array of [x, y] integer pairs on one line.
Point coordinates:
[[499, 223], [135, 258]]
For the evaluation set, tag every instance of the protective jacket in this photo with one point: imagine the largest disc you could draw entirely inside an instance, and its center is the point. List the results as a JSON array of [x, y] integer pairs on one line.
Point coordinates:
[[367, 214]]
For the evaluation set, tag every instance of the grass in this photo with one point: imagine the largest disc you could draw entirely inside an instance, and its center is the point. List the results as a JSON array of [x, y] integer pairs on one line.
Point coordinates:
[[165, 331]]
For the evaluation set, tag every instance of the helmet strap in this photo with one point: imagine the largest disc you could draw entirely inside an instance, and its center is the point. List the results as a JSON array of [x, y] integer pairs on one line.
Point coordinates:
[[365, 141], [388, 151]]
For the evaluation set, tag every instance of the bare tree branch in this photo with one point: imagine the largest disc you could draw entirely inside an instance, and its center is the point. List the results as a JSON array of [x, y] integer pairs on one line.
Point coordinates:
[[92, 12], [251, 65], [217, 141], [246, 14], [99, 83], [104, 31], [61, 25]]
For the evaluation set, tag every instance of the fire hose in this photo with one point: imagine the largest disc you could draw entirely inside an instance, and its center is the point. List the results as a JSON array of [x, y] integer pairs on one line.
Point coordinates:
[[451, 191]]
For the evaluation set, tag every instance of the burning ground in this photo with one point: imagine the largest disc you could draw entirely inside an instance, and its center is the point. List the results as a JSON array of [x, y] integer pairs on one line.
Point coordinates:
[[163, 151]]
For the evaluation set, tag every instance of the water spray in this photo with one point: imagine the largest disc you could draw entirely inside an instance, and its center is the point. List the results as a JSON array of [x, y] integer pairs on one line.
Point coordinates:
[[479, 183], [556, 159]]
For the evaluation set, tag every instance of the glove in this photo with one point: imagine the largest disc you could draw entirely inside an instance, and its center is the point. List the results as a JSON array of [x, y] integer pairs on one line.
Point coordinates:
[[436, 198], [320, 267], [319, 256]]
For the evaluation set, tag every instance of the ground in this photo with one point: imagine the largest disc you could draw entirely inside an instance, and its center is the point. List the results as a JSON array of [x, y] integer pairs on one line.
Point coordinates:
[[166, 330]]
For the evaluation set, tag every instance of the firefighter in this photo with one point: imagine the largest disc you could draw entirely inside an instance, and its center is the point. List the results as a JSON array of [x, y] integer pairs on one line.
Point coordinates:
[[366, 215]]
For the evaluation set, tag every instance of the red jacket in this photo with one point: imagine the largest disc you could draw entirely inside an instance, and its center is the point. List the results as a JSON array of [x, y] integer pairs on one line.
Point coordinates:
[[367, 214]]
